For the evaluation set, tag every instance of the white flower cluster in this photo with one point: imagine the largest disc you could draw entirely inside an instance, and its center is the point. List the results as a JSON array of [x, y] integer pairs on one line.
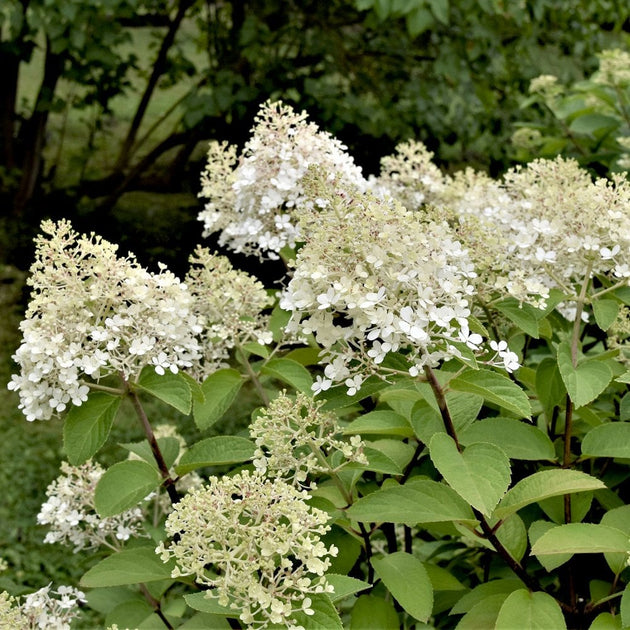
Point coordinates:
[[255, 542], [543, 226], [46, 609], [255, 200], [374, 279], [230, 302], [295, 438], [92, 314], [71, 516]]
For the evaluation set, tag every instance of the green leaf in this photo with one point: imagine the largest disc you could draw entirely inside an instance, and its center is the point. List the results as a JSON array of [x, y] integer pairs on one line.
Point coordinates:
[[527, 610], [407, 580], [549, 385], [337, 397], [606, 621], [87, 427], [582, 538], [524, 316], [552, 561], [124, 485], [419, 20], [325, 615], [220, 390], [370, 611], [517, 439], [624, 408], [607, 440], [605, 312], [479, 593], [253, 347], [625, 607], [480, 474], [585, 382], [543, 484], [494, 388], [440, 9], [290, 372], [510, 532], [619, 518], [129, 614], [344, 586], [216, 451], [169, 447], [170, 388], [380, 422], [417, 501], [304, 356], [593, 123], [199, 601], [379, 462], [130, 566], [484, 613]]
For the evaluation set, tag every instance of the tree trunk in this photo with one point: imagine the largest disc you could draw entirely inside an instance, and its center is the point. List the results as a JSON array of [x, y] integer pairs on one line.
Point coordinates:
[[32, 136], [158, 70]]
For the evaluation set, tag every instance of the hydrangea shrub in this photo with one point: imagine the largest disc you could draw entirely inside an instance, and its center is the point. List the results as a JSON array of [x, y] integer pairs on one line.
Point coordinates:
[[441, 385]]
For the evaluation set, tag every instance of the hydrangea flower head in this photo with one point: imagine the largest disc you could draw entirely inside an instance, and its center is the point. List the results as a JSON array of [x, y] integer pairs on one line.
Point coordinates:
[[230, 302], [70, 513], [374, 278], [255, 542], [93, 313], [255, 199], [292, 437]]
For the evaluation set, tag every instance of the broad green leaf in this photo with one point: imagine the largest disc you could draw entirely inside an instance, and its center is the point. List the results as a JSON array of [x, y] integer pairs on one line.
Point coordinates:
[[205, 620], [551, 561], [380, 422], [337, 397], [417, 501], [518, 440], [553, 507], [345, 586], [124, 485], [606, 621], [407, 580], [543, 484], [619, 518], [585, 382], [129, 614], [625, 607], [379, 462], [582, 538], [254, 347], [483, 614], [608, 440], [549, 385], [170, 388], [370, 611], [624, 378], [592, 123], [624, 408], [304, 356], [530, 611], [204, 603], [87, 427], [107, 598], [220, 390], [216, 451], [290, 372], [324, 617], [130, 566], [605, 312], [480, 475], [419, 20], [396, 451], [524, 316], [440, 9], [494, 388], [479, 593], [169, 447], [349, 550]]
